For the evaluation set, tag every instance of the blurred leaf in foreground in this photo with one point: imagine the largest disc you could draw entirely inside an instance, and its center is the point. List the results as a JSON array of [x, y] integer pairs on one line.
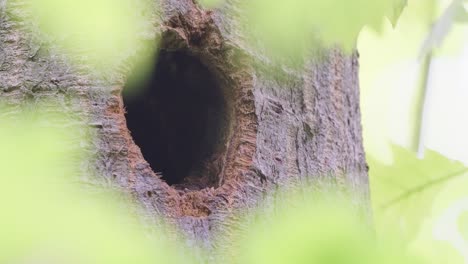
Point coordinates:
[[293, 28], [311, 228], [398, 7], [403, 192], [47, 217], [101, 31], [410, 198], [210, 3]]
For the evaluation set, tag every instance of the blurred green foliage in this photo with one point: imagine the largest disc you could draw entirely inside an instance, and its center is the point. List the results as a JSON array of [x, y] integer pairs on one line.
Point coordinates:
[[210, 3], [48, 217], [453, 13], [106, 31], [404, 191], [101, 33], [314, 225], [294, 28], [411, 197]]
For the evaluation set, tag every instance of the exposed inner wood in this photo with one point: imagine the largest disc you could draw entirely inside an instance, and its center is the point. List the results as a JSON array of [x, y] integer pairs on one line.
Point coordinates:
[[178, 118], [198, 101]]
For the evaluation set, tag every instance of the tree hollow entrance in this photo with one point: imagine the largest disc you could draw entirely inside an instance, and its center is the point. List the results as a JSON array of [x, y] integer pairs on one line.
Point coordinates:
[[178, 118]]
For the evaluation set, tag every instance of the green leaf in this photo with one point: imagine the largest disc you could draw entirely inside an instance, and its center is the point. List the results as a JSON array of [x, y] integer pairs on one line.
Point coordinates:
[[293, 28], [100, 32], [48, 216], [461, 15], [210, 3], [313, 229], [403, 192], [398, 7]]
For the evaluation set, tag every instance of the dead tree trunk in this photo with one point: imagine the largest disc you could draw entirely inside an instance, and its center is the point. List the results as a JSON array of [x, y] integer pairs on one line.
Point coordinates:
[[212, 133]]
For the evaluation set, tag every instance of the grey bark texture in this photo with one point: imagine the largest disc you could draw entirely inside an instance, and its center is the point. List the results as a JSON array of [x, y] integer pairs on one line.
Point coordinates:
[[290, 127]]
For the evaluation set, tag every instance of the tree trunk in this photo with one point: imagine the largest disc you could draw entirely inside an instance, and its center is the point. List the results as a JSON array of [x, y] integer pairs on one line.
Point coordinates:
[[213, 131]]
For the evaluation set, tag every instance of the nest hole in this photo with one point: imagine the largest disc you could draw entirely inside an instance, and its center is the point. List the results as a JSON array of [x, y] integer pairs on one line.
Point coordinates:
[[177, 116]]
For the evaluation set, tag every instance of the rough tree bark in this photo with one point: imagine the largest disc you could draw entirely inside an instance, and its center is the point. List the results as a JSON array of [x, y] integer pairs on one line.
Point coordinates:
[[264, 130]]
